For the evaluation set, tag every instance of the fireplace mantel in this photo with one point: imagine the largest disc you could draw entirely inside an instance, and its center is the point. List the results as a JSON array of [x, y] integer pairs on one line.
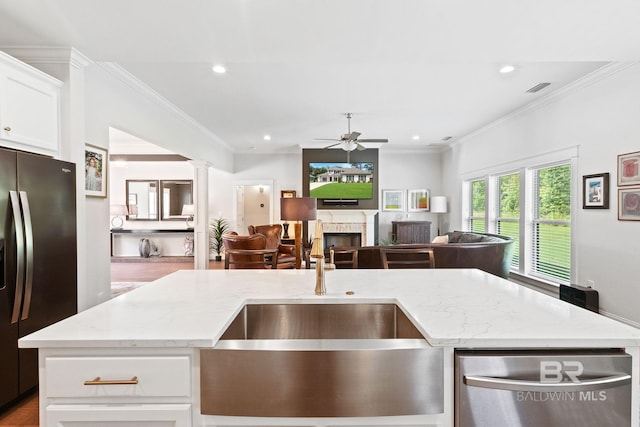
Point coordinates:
[[349, 221]]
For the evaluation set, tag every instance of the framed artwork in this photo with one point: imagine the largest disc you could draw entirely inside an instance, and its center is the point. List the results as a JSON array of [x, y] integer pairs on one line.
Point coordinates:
[[629, 204], [393, 200], [418, 200], [629, 169], [95, 171], [288, 194], [595, 191]]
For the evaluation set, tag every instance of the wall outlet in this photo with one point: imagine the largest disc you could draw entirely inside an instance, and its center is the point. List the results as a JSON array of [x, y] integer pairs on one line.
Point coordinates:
[[591, 284]]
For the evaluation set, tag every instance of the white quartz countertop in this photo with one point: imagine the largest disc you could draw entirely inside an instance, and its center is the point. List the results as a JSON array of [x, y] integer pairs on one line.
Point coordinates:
[[451, 307]]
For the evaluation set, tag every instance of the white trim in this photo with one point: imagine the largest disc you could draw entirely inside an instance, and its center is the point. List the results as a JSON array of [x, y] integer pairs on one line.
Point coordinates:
[[49, 55], [538, 160]]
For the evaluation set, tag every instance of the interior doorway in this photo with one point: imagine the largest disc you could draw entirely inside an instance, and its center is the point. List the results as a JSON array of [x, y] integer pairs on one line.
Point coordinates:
[[254, 205]]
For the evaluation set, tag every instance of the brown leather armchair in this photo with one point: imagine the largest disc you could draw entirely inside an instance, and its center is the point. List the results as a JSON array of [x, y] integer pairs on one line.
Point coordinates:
[[273, 233], [248, 252]]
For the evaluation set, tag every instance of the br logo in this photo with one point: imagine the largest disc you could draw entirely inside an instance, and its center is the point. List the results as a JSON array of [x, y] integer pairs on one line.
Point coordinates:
[[554, 371]]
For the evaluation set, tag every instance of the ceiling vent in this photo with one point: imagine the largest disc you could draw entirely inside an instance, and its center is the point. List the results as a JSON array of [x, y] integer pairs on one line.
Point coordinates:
[[538, 87], [446, 138]]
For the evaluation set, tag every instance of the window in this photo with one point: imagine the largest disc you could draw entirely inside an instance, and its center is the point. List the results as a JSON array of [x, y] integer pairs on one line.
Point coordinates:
[[508, 212], [550, 240], [476, 220], [533, 206]]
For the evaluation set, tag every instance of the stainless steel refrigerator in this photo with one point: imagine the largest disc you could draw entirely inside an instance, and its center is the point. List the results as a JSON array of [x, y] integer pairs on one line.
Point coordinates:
[[38, 259]]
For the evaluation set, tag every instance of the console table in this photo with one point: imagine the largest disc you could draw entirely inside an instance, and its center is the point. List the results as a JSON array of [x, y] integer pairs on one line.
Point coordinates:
[[147, 232], [411, 231]]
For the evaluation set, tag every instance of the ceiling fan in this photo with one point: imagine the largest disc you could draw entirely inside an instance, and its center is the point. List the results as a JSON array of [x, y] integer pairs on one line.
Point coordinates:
[[349, 141]]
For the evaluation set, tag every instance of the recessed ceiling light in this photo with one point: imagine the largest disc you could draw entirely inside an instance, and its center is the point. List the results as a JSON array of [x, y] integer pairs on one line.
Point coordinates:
[[507, 69], [219, 69], [415, 137], [267, 137]]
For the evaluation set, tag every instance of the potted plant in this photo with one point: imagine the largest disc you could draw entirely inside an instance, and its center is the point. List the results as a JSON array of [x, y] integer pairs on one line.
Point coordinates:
[[217, 228]]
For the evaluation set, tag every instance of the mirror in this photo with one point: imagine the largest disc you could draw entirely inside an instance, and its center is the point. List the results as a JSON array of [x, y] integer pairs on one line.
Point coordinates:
[[142, 199], [175, 194]]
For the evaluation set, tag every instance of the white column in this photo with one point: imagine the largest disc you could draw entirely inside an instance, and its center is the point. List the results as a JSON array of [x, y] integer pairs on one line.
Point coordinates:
[[201, 218]]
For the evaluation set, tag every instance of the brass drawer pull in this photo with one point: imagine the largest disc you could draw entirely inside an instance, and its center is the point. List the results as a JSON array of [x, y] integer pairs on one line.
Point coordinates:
[[98, 381], [7, 128]]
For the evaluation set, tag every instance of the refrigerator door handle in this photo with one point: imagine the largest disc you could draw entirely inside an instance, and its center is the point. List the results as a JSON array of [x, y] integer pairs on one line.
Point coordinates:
[[520, 385], [28, 238], [17, 220]]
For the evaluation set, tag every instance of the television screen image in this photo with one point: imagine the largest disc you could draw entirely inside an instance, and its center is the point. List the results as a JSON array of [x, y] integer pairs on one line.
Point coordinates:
[[341, 180]]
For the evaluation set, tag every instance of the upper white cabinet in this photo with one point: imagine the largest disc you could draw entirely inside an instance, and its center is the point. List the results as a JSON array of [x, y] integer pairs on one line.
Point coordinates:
[[29, 108]]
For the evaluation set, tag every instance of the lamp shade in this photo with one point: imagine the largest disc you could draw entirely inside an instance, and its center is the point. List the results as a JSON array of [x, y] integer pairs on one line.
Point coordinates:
[[298, 209], [117, 210], [439, 204], [188, 210]]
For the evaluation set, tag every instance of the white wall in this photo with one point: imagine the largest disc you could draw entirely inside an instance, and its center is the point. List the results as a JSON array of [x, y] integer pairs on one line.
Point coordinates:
[[113, 101], [600, 117], [284, 170], [405, 171]]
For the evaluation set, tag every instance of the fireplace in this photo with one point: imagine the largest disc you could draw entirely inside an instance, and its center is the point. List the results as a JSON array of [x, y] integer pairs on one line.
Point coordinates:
[[344, 223], [341, 240]]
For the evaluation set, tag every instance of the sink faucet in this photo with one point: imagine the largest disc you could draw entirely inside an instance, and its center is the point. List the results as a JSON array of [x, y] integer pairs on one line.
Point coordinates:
[[317, 252]]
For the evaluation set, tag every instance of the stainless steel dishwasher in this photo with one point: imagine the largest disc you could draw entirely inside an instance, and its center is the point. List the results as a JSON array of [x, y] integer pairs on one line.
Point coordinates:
[[517, 388]]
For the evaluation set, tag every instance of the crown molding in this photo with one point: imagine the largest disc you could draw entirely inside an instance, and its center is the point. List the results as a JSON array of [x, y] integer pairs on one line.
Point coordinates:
[[49, 55], [598, 75], [136, 84], [147, 158]]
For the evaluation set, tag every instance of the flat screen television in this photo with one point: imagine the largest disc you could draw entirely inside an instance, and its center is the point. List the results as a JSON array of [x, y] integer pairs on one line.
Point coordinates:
[[341, 181]]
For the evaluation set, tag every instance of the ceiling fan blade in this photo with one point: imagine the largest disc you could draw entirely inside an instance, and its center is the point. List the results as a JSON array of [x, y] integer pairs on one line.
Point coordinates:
[[326, 139], [353, 136], [332, 145], [360, 147], [373, 140]]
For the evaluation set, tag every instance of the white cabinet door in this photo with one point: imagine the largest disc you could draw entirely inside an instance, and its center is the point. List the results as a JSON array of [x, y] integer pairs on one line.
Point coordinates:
[[29, 108], [143, 415]]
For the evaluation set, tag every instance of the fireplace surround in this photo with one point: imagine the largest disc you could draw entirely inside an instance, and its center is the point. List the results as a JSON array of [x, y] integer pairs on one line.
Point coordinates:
[[348, 222]]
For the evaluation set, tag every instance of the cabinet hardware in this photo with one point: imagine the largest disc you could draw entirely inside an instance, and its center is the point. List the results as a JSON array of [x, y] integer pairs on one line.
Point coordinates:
[[7, 128], [98, 381]]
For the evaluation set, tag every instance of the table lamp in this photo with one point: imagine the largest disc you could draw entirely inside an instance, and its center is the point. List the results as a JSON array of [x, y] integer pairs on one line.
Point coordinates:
[[189, 211], [117, 211], [439, 206], [298, 209]]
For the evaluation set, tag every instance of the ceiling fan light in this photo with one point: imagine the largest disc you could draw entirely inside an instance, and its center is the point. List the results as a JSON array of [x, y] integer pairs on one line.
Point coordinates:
[[349, 146]]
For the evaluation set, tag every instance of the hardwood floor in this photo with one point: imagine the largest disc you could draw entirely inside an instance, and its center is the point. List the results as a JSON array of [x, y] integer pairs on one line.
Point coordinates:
[[25, 412], [132, 271], [21, 414]]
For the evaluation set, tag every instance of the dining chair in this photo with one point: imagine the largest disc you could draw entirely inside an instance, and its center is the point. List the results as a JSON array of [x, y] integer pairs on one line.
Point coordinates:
[[344, 257], [407, 258]]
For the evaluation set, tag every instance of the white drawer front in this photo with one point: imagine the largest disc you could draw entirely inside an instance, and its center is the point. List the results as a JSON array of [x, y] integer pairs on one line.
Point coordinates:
[[154, 376]]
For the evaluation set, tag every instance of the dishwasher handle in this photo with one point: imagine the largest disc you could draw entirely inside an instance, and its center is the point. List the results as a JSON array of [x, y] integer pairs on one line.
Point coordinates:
[[522, 385]]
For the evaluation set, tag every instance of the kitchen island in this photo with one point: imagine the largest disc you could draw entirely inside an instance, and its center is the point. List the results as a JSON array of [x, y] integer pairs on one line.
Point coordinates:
[[136, 358]]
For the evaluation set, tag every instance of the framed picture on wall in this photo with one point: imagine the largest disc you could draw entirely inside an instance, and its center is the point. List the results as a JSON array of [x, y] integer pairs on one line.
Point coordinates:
[[418, 200], [629, 204], [95, 171], [393, 200], [595, 191], [629, 169]]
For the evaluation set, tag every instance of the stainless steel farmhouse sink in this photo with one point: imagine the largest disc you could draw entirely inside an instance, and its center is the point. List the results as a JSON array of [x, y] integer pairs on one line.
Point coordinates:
[[321, 360]]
